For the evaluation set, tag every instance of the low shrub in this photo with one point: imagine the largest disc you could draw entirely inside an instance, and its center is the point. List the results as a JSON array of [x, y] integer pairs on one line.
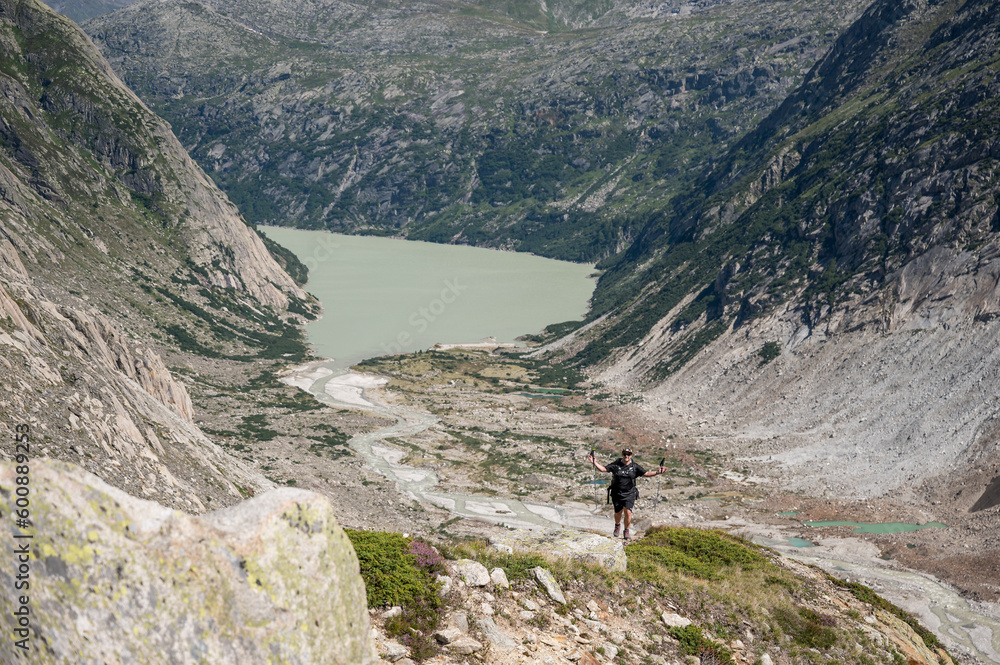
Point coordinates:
[[694, 643], [808, 628], [398, 570]]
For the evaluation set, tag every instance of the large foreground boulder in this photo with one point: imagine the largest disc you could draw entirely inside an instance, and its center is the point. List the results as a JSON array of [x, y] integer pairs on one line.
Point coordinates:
[[565, 544], [115, 579]]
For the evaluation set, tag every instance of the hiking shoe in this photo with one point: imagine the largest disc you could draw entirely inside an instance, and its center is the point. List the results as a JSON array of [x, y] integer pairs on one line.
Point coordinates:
[[618, 530], [625, 535]]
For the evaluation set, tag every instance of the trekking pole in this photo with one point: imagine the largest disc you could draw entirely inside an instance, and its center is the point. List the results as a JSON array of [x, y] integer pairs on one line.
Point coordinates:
[[594, 475], [658, 479]]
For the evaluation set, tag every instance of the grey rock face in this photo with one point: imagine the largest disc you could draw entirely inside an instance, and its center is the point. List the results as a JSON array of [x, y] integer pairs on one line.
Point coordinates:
[[274, 576], [496, 637], [548, 582], [448, 125], [472, 573], [589, 547]]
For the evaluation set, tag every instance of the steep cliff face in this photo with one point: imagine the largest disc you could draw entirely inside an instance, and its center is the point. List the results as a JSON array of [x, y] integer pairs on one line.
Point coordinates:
[[117, 252], [117, 579], [73, 129], [548, 127]]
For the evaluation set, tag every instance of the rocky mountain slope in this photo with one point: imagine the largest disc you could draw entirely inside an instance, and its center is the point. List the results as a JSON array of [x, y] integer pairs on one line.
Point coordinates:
[[824, 303], [552, 127], [118, 257], [81, 10]]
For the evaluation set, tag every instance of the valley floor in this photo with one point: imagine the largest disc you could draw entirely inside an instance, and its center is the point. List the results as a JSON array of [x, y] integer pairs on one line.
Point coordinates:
[[504, 427]]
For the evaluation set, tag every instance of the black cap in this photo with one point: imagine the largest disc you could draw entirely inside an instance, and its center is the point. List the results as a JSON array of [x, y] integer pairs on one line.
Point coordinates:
[[626, 451]]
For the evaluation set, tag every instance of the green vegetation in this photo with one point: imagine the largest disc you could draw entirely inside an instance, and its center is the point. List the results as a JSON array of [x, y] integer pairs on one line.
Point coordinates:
[[866, 595], [398, 571], [807, 627], [694, 643], [333, 445], [254, 427], [697, 552], [769, 352]]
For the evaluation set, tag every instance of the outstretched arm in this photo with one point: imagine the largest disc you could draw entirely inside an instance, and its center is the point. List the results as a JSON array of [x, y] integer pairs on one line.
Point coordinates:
[[654, 473], [592, 460]]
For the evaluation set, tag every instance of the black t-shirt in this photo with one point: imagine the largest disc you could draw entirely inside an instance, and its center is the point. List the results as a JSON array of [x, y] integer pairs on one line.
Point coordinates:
[[623, 477]]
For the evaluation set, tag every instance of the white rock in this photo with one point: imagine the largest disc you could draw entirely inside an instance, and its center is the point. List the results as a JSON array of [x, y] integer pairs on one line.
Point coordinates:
[[448, 635], [675, 620], [395, 651], [527, 615], [465, 645], [610, 650], [472, 572], [393, 611], [446, 584], [593, 606], [766, 660], [499, 578], [487, 609], [548, 583]]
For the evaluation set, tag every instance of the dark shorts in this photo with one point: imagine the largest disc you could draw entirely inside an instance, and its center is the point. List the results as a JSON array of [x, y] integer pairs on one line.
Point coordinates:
[[621, 503]]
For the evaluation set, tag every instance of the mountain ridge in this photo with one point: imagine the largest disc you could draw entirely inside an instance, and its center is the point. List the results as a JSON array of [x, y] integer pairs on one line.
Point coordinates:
[[113, 247], [403, 123]]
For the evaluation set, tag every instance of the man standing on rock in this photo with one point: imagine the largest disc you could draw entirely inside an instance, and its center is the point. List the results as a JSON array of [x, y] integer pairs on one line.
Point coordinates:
[[623, 490]]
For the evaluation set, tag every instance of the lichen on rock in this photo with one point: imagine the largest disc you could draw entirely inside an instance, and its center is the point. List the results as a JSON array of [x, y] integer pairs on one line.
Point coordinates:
[[117, 579]]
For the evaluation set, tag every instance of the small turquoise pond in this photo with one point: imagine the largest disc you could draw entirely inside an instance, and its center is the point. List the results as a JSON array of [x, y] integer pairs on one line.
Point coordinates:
[[800, 542], [884, 527]]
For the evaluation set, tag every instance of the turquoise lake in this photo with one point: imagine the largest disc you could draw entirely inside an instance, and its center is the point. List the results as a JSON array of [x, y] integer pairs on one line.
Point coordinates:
[[383, 295], [883, 527]]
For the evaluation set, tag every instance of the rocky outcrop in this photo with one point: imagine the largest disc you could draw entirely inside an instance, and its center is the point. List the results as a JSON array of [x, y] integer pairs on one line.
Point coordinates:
[[110, 404], [121, 580], [575, 545]]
